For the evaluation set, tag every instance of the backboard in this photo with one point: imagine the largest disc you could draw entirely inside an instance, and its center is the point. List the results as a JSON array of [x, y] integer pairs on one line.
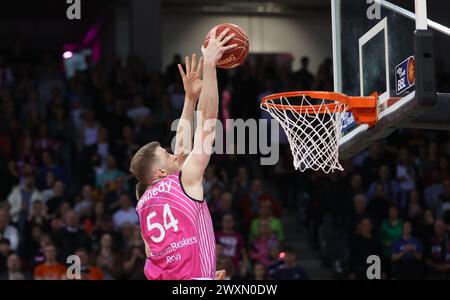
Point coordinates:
[[385, 47]]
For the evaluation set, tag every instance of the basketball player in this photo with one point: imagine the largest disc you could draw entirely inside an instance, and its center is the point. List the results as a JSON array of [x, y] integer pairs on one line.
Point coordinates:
[[174, 218]]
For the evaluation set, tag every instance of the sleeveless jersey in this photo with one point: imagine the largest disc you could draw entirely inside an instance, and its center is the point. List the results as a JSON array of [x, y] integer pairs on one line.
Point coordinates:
[[178, 231]]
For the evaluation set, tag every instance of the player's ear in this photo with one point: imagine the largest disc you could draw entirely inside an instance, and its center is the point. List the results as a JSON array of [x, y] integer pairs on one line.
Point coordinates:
[[160, 173]]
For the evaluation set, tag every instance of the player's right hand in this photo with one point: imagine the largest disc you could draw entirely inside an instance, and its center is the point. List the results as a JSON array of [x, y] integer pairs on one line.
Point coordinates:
[[215, 49]]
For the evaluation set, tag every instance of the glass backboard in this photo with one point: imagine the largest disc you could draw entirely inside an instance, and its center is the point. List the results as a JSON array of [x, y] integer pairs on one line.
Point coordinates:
[[374, 51]]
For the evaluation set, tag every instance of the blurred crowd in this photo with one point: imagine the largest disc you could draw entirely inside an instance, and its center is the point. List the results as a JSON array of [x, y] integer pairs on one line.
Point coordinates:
[[66, 145], [393, 201]]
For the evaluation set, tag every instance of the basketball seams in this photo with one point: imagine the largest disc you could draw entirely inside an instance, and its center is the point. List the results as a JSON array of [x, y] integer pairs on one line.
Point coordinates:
[[244, 42], [242, 55], [238, 60]]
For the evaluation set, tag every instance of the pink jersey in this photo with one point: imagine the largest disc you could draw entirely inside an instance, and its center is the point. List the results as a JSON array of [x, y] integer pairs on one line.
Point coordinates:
[[179, 232]]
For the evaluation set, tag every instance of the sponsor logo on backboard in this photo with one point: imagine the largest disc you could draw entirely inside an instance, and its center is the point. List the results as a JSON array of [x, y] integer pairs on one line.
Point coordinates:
[[405, 75], [348, 122]]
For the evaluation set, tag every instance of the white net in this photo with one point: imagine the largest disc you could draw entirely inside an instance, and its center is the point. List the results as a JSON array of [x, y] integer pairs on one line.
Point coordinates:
[[313, 134]]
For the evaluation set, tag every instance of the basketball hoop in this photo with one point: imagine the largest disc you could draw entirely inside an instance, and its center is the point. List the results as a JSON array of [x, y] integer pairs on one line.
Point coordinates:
[[313, 122]]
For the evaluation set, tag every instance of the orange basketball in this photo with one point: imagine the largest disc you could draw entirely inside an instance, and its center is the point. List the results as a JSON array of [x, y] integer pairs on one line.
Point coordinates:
[[234, 57], [411, 71]]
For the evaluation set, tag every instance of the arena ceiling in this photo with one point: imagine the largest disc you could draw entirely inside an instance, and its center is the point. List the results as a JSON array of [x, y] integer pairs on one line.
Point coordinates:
[[279, 7]]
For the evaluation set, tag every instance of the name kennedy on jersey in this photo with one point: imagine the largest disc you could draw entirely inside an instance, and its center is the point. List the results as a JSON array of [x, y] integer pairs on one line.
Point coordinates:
[[164, 186]]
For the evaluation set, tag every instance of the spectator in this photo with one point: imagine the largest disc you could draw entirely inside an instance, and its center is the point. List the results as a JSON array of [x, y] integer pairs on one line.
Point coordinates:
[[50, 269], [33, 235], [258, 194], [378, 207], [437, 253], [241, 183], [262, 243], [358, 212], [86, 203], [105, 226], [324, 77], [259, 272], [21, 198], [407, 255], [126, 214], [172, 69], [109, 174], [389, 185], [71, 236], [108, 260], [363, 245], [50, 166], [233, 243], [88, 132], [373, 162], [211, 179], [303, 79], [127, 145], [5, 251], [444, 168], [15, 271], [426, 227], [176, 97], [406, 176], [37, 256], [117, 120], [291, 270], [8, 231], [277, 260], [59, 218], [390, 230], [88, 271], [92, 220], [433, 190], [443, 207], [224, 263], [356, 185], [413, 211], [430, 161], [47, 191], [54, 203], [265, 214], [134, 260], [111, 199], [214, 200], [102, 147], [38, 216], [139, 111], [226, 207]]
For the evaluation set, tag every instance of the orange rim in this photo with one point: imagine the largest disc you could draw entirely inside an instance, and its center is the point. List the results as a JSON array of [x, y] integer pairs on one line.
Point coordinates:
[[364, 109]]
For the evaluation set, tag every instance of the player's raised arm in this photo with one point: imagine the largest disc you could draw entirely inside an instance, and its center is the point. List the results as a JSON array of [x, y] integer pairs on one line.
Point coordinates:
[[192, 82], [208, 105]]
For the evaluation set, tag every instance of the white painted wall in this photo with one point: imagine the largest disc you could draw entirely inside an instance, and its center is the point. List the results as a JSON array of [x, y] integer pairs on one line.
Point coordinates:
[[306, 35]]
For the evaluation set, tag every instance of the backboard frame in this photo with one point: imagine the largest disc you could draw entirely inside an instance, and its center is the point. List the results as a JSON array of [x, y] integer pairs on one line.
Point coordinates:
[[418, 104]]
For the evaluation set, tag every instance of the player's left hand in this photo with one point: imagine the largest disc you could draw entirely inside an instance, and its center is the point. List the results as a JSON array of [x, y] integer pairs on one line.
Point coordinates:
[[192, 79], [220, 275]]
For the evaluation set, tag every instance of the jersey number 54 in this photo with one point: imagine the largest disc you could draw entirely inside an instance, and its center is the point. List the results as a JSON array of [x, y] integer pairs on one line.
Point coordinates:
[[169, 222]]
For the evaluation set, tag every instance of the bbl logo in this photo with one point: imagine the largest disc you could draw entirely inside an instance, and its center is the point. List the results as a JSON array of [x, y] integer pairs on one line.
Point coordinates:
[[405, 75]]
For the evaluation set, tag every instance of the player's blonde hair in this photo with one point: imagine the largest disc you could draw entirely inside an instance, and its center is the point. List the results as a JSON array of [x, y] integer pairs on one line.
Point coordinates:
[[142, 165]]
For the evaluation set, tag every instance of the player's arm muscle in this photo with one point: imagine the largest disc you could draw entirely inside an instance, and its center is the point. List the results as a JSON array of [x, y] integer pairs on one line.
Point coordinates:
[[208, 107]]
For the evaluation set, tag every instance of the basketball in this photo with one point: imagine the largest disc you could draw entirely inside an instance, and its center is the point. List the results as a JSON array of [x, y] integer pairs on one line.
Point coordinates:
[[234, 57]]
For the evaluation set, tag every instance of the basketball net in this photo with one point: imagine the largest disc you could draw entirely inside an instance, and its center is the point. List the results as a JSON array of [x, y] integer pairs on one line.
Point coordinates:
[[313, 132]]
